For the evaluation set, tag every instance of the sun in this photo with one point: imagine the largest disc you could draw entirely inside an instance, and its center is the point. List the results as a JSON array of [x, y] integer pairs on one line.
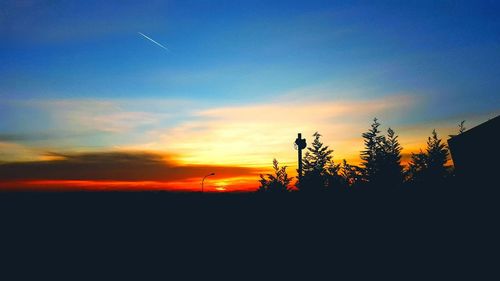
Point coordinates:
[[221, 185]]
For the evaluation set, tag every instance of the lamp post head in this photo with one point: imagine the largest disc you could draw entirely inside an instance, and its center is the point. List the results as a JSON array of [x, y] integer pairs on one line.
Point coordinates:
[[300, 143], [203, 180]]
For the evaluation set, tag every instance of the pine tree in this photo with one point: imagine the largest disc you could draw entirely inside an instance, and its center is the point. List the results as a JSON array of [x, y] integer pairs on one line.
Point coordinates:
[[317, 157], [437, 156], [277, 183], [417, 170], [429, 167], [382, 158], [317, 166], [372, 155], [391, 168]]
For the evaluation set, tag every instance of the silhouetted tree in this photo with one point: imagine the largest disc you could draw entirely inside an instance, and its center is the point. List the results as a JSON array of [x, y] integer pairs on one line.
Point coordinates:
[[318, 167], [334, 179], [437, 157], [352, 174], [417, 168], [279, 182], [373, 153], [461, 127], [391, 169], [429, 167], [381, 158]]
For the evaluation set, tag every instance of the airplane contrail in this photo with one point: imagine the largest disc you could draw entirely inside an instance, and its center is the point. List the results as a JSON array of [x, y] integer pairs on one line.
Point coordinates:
[[150, 39]]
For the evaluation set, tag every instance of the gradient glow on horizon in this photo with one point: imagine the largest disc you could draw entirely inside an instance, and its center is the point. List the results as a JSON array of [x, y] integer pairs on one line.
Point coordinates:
[[240, 80]]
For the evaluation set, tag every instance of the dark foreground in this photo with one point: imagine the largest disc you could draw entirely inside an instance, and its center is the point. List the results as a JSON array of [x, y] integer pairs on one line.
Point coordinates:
[[403, 234]]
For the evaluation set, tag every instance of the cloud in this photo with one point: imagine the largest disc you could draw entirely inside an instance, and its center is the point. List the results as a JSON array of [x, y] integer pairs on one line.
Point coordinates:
[[237, 142], [11, 151], [251, 135], [101, 115], [115, 166], [248, 135], [80, 122]]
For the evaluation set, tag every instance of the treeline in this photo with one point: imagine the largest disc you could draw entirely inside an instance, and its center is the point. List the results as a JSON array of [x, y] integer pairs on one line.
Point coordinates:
[[380, 167]]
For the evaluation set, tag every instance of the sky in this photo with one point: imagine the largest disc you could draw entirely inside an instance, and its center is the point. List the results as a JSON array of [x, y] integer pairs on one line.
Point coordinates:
[[157, 94]]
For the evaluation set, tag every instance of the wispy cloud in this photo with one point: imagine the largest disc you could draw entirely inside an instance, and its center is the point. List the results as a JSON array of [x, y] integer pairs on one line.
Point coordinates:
[[11, 151], [86, 115], [152, 40], [103, 169], [231, 135], [251, 135]]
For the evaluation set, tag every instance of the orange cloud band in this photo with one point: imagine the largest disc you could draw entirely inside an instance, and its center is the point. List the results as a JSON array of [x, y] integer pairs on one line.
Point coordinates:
[[122, 171]]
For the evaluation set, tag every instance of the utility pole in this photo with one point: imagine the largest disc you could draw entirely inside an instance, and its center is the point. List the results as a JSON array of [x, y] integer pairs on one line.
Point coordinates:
[[300, 144]]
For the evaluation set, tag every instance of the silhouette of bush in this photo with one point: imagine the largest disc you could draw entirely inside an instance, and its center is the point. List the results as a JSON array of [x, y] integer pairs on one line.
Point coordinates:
[[352, 175], [277, 183], [429, 167]]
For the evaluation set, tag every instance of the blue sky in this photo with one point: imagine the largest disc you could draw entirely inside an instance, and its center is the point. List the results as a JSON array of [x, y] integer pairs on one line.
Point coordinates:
[[79, 76], [233, 49]]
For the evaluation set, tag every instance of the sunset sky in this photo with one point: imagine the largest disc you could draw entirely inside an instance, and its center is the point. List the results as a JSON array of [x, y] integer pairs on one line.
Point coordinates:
[[133, 95]]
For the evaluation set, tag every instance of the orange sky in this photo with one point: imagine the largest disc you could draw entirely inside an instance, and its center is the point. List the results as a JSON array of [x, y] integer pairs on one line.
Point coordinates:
[[189, 185], [123, 171], [236, 142]]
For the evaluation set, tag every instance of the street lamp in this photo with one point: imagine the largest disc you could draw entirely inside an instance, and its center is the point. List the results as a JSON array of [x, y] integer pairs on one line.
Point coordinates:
[[202, 181]]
